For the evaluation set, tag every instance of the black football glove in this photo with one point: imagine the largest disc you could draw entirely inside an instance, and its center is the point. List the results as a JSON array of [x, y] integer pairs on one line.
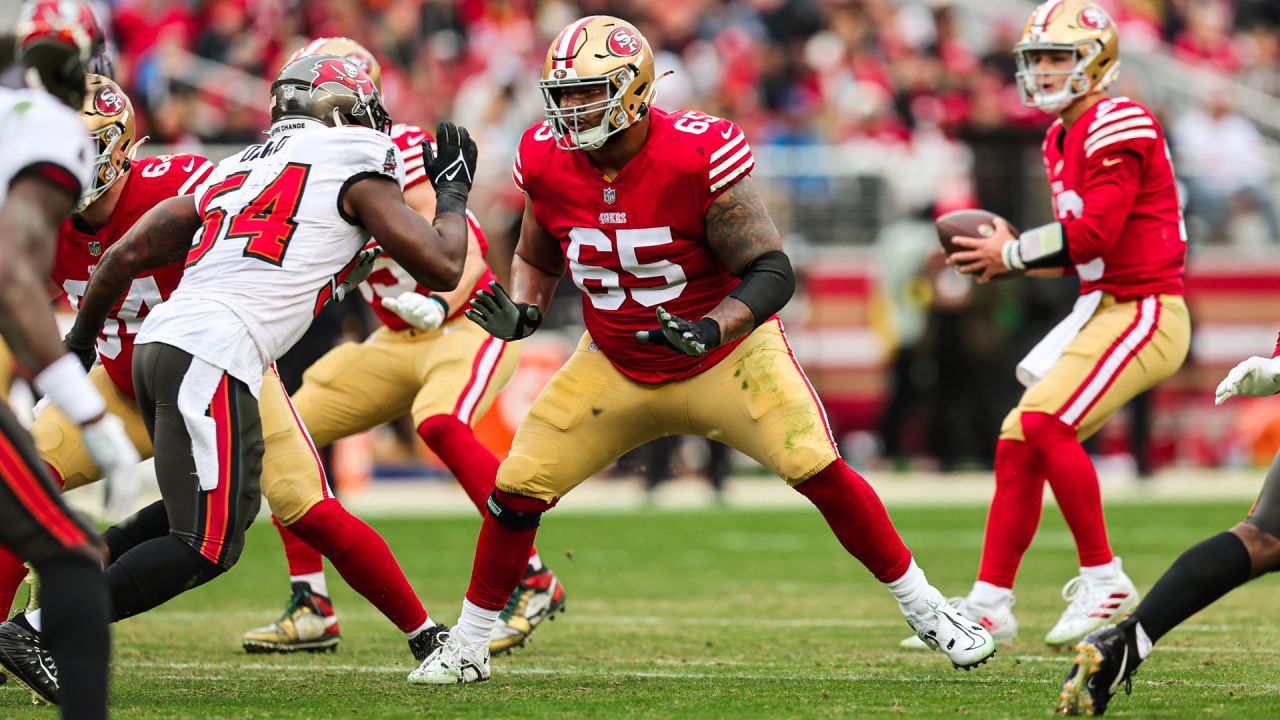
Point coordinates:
[[86, 353], [500, 316], [682, 336], [452, 167]]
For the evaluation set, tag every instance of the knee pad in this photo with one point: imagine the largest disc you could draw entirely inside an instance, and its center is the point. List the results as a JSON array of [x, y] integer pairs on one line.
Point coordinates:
[[517, 511]]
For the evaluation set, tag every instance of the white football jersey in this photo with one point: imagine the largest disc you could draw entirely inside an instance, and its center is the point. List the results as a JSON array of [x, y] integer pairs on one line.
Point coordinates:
[[275, 241], [36, 128]]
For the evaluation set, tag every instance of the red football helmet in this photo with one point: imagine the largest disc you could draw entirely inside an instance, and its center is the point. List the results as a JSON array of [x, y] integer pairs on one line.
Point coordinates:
[[57, 40]]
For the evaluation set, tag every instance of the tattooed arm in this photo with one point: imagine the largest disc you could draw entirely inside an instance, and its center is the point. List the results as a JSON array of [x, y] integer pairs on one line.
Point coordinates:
[[742, 235], [159, 238]]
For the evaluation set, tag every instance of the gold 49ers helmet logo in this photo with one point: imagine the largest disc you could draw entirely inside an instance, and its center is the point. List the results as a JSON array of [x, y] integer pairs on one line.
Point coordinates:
[[341, 72], [108, 101], [623, 43]]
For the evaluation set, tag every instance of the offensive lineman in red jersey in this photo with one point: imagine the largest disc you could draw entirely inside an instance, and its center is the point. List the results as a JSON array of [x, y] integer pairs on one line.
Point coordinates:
[[123, 190], [427, 361], [1119, 227], [655, 212]]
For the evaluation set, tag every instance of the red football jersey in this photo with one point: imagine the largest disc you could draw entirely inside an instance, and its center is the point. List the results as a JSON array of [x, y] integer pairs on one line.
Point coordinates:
[[150, 181], [638, 241], [388, 279], [1114, 191]]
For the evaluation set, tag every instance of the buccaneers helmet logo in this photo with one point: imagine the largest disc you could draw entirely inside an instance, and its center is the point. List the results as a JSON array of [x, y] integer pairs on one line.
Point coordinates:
[[341, 72], [108, 102], [623, 43]]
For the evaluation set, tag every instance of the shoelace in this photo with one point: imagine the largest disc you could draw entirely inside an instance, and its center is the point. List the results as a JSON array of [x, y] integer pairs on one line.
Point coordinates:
[[1078, 592], [450, 649], [295, 602]]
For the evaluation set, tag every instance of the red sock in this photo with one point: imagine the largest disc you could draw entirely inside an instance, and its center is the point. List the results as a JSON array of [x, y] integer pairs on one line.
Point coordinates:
[[303, 559], [1014, 516], [12, 571], [470, 462], [1075, 484], [502, 553], [859, 520], [362, 558]]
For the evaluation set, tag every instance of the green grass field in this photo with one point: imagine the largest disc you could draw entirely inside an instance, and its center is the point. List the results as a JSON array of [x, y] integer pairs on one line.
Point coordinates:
[[695, 614]]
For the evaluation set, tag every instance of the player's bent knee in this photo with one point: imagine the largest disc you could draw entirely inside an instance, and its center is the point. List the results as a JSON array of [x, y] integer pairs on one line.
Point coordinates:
[[1263, 547], [517, 512], [1039, 427]]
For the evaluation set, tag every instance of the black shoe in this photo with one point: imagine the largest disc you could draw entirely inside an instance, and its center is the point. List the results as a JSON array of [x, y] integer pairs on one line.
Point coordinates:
[[1104, 661], [25, 658], [427, 641]]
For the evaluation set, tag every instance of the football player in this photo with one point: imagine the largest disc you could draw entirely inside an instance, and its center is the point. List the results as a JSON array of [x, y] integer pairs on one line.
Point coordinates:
[[293, 480], [1105, 660], [267, 238], [44, 165], [1119, 227], [427, 360], [682, 272]]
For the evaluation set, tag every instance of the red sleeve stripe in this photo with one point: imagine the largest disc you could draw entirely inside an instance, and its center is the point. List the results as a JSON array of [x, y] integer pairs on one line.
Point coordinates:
[[743, 168], [727, 147], [411, 153], [1090, 149], [196, 178], [516, 174], [1115, 115], [1115, 127], [414, 176]]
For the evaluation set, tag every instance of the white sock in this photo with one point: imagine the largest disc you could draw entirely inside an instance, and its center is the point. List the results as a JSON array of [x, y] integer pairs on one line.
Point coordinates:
[[535, 562], [33, 618], [1099, 573], [428, 623], [1144, 642], [475, 623], [313, 580], [912, 589], [988, 595]]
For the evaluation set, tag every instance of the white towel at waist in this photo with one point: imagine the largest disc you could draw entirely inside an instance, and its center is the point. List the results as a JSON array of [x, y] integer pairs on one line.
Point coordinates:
[[1048, 351]]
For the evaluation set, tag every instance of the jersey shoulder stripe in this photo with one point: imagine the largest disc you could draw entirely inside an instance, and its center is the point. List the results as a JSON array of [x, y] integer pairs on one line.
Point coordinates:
[[732, 160]]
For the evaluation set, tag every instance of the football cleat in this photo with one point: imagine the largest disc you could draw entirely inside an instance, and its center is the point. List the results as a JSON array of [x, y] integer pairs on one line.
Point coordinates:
[[25, 658], [538, 597], [966, 643], [998, 620], [1092, 605], [427, 641], [454, 661], [308, 624], [1104, 661]]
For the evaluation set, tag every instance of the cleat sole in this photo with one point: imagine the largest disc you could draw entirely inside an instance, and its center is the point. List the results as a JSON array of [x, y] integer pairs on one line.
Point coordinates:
[[973, 665], [262, 647]]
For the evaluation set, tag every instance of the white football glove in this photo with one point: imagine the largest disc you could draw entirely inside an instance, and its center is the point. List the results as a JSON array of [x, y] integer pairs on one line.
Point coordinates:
[[425, 312], [1255, 377], [364, 268], [113, 452]]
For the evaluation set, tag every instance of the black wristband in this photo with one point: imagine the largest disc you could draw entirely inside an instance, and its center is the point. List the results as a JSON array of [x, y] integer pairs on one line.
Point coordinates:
[[452, 198], [443, 305], [767, 285], [710, 331]]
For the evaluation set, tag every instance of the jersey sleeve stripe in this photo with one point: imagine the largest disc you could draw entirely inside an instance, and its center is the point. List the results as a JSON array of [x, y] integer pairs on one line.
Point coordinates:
[[196, 178], [519, 176], [1119, 137], [1116, 115], [413, 152], [751, 161], [728, 146], [724, 166], [1118, 127], [414, 176]]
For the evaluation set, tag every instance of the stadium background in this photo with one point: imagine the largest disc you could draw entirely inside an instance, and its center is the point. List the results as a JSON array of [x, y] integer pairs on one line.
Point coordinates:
[[867, 118]]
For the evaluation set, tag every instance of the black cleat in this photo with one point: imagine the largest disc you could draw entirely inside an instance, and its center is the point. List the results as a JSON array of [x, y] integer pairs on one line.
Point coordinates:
[[25, 658], [1104, 661], [428, 640]]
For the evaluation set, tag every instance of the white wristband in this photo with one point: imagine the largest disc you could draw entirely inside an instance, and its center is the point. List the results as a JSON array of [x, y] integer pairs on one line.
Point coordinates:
[[1012, 254], [68, 386]]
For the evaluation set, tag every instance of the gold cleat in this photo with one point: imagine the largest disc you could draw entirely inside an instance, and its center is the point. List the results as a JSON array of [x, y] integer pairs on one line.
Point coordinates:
[[308, 624]]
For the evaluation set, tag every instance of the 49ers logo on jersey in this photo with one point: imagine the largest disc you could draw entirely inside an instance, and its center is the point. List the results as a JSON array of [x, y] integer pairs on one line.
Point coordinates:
[[623, 43], [1094, 18], [108, 102], [341, 72]]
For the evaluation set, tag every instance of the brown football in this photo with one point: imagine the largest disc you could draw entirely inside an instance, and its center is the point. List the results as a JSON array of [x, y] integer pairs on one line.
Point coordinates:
[[969, 223]]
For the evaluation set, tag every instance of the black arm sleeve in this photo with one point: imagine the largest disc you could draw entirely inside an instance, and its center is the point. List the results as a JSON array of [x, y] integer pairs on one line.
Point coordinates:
[[767, 284], [1045, 247]]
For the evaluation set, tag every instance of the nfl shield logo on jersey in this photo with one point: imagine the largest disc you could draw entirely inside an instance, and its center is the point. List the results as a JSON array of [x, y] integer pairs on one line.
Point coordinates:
[[95, 248], [610, 196]]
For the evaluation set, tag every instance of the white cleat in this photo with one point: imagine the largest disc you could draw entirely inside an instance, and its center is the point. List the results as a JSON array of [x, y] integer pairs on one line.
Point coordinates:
[[962, 640], [998, 620], [454, 661], [1092, 605]]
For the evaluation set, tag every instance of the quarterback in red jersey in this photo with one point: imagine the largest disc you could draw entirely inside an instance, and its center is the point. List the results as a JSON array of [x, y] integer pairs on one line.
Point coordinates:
[[1120, 229], [659, 224], [124, 189], [426, 360]]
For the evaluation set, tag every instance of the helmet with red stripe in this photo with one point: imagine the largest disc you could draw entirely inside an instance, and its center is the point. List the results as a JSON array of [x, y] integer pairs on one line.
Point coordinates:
[[57, 40], [610, 61], [1079, 27]]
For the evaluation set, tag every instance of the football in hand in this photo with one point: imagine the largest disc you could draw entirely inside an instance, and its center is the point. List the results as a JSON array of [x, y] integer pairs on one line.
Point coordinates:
[[969, 223]]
